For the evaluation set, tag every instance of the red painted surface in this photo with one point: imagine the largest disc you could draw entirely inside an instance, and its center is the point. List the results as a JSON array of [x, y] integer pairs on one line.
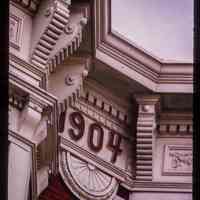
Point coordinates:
[[56, 190]]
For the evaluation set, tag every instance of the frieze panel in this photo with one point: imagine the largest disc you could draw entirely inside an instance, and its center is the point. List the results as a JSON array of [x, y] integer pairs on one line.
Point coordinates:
[[101, 116], [15, 31], [84, 128], [91, 134], [177, 160]]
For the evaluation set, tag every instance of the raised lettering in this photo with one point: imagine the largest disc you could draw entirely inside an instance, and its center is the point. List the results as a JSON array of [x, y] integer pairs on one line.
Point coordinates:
[[114, 143], [100, 134], [77, 122]]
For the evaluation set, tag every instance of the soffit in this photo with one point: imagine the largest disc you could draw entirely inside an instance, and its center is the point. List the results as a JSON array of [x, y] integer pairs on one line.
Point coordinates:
[[123, 88], [165, 30], [117, 83], [135, 63]]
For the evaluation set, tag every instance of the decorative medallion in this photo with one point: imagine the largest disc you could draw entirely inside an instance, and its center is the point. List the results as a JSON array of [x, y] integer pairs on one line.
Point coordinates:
[[85, 180]]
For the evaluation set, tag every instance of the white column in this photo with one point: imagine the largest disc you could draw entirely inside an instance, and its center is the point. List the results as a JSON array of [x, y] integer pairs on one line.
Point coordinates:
[[19, 169]]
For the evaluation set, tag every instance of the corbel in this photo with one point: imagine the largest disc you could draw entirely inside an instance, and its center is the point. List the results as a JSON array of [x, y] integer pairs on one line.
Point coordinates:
[[72, 36], [17, 97], [33, 125], [18, 101], [40, 132]]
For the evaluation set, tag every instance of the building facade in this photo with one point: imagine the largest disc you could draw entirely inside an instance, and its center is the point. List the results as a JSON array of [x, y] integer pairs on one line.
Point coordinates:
[[91, 116]]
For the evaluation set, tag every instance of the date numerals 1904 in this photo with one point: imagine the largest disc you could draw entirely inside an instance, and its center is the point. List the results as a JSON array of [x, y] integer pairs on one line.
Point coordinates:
[[77, 132]]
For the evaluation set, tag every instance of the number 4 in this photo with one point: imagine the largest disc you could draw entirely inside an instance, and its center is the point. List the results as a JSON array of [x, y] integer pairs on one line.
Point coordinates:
[[114, 145]]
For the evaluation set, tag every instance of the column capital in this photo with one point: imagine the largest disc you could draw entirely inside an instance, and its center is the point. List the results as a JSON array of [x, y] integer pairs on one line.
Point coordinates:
[[147, 99]]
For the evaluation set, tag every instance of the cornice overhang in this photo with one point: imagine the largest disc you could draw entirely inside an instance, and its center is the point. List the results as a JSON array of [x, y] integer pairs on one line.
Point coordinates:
[[123, 56], [34, 74], [42, 102], [36, 95]]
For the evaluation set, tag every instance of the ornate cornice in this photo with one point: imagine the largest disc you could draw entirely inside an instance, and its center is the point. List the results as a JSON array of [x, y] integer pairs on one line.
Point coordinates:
[[101, 90], [125, 57], [55, 16], [25, 69], [72, 36], [60, 34], [175, 125], [108, 109]]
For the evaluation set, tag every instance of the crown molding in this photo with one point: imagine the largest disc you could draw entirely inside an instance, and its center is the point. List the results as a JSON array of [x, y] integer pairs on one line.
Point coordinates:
[[135, 63]]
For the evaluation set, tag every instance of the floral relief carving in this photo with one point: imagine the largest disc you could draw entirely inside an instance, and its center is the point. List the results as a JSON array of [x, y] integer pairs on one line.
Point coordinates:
[[177, 160], [180, 159]]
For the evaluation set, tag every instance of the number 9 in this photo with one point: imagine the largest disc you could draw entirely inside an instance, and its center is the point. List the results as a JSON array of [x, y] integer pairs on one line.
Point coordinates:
[[77, 122]]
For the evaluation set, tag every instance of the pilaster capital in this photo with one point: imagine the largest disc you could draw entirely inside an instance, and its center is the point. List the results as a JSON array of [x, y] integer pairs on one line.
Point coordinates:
[[148, 103]]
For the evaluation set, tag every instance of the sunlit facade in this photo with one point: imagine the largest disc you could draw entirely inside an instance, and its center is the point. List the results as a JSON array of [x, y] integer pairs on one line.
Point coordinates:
[[92, 115]]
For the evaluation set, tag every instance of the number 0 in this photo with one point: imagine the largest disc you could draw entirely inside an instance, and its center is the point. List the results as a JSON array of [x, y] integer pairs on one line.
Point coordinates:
[[100, 134]]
